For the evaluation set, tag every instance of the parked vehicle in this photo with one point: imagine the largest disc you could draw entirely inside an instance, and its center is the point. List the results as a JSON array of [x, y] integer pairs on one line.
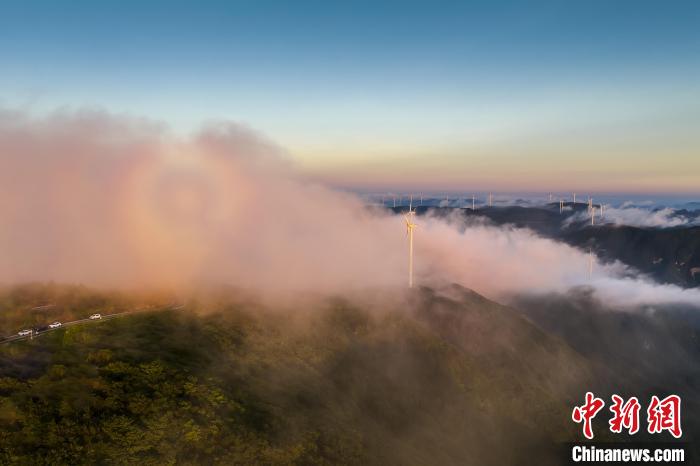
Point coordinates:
[[96, 316], [55, 325], [24, 333]]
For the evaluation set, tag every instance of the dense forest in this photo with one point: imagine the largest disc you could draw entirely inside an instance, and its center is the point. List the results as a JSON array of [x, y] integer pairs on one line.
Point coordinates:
[[451, 378]]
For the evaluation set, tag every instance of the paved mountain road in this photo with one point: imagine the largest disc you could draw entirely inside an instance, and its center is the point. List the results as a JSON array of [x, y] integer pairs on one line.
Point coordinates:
[[16, 337]]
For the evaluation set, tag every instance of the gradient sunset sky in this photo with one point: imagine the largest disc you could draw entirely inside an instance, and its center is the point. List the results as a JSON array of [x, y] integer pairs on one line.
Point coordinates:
[[557, 95]]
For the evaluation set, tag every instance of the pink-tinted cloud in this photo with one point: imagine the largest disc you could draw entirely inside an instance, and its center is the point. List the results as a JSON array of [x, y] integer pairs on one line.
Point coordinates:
[[110, 201]]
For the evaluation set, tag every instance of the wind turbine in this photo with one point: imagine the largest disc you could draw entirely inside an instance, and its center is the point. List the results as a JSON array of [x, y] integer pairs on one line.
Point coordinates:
[[550, 197], [602, 210], [473, 203], [490, 199], [592, 215], [421, 198], [410, 225], [561, 205], [574, 198], [394, 200]]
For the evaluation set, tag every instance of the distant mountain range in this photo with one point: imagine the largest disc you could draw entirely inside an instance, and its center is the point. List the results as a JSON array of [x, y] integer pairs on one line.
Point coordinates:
[[669, 255]]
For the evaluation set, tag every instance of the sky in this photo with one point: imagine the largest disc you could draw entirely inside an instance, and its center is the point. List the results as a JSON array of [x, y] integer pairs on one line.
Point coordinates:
[[588, 96]]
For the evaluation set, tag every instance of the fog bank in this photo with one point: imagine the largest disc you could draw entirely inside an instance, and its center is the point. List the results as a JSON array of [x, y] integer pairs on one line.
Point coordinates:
[[93, 198]]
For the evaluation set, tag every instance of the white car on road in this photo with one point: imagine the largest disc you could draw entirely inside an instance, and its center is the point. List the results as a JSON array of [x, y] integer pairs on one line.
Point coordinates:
[[55, 325], [24, 333], [96, 316]]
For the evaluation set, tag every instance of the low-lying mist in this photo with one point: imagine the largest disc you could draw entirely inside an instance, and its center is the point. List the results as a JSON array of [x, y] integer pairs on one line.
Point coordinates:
[[110, 201], [666, 217]]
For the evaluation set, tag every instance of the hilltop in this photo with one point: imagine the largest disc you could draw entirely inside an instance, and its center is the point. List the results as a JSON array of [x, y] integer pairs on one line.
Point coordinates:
[[432, 377], [451, 380]]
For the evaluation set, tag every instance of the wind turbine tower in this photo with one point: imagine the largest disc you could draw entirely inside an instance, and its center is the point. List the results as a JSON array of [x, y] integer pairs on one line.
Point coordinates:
[[561, 206], [592, 215], [490, 199], [473, 202], [574, 198], [410, 225]]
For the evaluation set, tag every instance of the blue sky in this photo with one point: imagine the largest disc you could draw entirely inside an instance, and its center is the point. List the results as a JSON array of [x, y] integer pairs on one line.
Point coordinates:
[[458, 94]]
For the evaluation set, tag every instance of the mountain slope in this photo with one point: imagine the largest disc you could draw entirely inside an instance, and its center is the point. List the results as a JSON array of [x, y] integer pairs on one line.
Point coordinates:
[[451, 378]]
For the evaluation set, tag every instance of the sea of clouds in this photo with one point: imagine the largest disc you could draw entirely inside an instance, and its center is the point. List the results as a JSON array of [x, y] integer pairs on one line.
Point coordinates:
[[106, 200]]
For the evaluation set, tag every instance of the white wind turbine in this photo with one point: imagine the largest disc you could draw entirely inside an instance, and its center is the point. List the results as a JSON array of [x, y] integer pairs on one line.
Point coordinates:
[[410, 225], [490, 199], [561, 205], [473, 202]]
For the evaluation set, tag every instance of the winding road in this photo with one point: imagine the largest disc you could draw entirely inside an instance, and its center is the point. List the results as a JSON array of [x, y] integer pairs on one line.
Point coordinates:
[[16, 337]]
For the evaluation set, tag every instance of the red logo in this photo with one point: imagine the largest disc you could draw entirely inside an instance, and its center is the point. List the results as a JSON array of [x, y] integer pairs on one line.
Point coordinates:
[[661, 415]]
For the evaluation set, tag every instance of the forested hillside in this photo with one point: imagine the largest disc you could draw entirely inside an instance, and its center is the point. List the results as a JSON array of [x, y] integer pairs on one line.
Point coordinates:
[[447, 380]]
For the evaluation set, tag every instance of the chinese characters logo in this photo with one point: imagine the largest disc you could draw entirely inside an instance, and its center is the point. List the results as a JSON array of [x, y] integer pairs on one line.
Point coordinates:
[[662, 415]]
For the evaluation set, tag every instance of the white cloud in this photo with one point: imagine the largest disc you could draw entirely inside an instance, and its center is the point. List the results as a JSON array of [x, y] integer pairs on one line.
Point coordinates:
[[634, 216], [106, 201]]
